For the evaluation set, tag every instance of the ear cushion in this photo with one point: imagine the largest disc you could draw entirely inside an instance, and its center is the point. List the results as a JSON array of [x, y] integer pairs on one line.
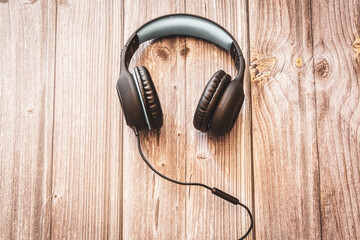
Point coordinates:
[[209, 100], [130, 101], [228, 109], [150, 97]]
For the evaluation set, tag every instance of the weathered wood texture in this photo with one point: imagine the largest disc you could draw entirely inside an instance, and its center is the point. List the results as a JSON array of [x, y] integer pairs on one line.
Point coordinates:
[[69, 166], [27, 53], [286, 173], [336, 31], [178, 66], [87, 160], [222, 162], [149, 215]]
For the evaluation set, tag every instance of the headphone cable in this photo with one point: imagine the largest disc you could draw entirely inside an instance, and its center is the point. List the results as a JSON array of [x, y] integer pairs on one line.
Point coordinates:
[[214, 190]]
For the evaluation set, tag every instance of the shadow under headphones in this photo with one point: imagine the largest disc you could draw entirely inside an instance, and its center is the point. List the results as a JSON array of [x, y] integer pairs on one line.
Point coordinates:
[[219, 104]]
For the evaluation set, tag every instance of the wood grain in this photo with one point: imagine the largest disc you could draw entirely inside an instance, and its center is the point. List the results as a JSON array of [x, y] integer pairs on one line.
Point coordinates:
[[222, 162], [153, 207], [286, 172], [336, 29], [178, 66], [27, 49], [87, 181], [69, 165]]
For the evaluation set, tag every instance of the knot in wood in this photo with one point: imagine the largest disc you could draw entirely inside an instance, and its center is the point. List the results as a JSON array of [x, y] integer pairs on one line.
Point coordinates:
[[162, 53], [322, 68], [298, 62], [65, 3], [261, 66], [356, 46], [184, 51]]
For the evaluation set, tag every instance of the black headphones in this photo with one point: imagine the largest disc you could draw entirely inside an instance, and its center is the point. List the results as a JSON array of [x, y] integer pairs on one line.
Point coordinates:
[[221, 100], [219, 104]]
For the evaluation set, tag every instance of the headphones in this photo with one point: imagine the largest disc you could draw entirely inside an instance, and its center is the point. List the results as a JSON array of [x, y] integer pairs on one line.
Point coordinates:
[[221, 100], [219, 104]]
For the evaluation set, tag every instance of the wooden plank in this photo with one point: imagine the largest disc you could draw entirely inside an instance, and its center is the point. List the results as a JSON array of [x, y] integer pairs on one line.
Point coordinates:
[[286, 173], [336, 29], [87, 166], [27, 49], [222, 162], [153, 207]]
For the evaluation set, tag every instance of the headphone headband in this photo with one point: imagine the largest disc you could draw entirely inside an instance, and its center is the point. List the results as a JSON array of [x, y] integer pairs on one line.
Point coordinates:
[[184, 25]]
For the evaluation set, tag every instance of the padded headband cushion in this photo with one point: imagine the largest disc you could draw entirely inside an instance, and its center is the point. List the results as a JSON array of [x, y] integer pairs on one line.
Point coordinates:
[[151, 99], [187, 25], [209, 100]]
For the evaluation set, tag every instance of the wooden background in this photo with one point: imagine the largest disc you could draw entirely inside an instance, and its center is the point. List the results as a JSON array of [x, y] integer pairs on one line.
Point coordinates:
[[69, 167]]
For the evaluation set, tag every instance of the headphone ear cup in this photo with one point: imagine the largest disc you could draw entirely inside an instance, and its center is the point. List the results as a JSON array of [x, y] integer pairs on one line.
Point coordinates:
[[227, 109], [209, 100], [150, 97]]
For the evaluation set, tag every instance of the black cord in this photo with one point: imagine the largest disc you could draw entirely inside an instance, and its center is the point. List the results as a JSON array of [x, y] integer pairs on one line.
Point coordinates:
[[163, 176], [251, 221], [215, 191]]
